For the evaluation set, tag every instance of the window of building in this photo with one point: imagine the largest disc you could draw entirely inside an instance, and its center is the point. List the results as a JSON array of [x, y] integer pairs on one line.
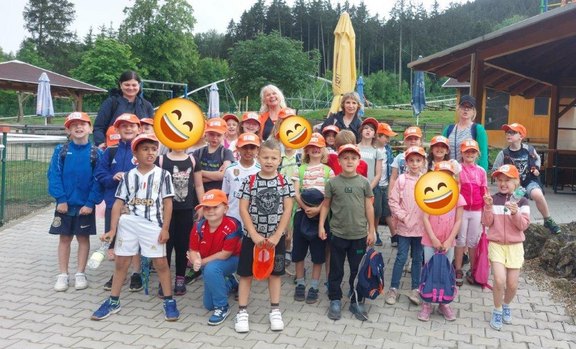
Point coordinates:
[[497, 109], [541, 105]]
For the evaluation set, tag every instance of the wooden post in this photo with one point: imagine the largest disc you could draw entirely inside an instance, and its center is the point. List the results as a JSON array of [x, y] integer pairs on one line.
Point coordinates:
[[477, 85], [20, 107]]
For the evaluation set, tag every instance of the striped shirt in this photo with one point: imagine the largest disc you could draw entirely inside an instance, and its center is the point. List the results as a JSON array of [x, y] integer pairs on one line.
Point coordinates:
[[143, 193]]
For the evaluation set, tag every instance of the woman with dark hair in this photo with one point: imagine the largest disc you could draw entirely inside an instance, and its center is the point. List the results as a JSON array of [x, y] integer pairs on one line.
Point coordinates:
[[126, 99], [347, 118]]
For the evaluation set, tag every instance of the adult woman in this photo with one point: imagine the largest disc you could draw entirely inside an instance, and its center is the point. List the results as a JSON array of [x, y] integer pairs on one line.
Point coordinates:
[[126, 100], [347, 118], [466, 128], [272, 101]]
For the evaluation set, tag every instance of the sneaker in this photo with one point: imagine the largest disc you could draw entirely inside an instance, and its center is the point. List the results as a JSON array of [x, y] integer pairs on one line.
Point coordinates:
[[394, 241], [192, 276], [80, 281], [552, 226], [459, 277], [180, 286], [496, 321], [312, 296], [108, 285], [171, 312], [391, 296], [378, 240], [160, 292], [106, 309], [506, 314], [425, 311], [335, 310], [241, 325], [444, 309], [359, 311], [135, 283], [61, 284], [220, 314], [300, 293], [276, 323], [414, 297]]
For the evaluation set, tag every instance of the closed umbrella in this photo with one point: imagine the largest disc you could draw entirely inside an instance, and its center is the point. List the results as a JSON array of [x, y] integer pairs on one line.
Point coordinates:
[[360, 91], [418, 94], [344, 79], [44, 105], [213, 102]]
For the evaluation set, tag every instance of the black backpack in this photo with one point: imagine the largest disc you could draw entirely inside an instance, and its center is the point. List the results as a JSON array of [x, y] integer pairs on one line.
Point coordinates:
[[93, 154]]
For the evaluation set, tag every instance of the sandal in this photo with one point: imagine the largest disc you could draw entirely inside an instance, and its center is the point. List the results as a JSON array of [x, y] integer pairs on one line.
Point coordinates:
[[470, 278], [459, 277]]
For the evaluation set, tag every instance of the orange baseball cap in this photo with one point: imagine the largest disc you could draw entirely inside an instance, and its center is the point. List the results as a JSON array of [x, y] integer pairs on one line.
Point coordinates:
[[141, 138], [516, 127], [213, 198], [370, 121], [77, 116], [317, 140], [444, 166], [439, 139], [126, 117], [250, 116], [286, 112], [230, 116], [331, 128], [248, 138], [413, 131], [385, 129], [217, 125], [414, 150], [508, 170], [349, 147], [147, 121], [468, 144]]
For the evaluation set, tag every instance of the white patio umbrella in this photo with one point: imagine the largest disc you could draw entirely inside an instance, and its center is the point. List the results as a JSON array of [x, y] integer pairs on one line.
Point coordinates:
[[213, 102], [44, 106]]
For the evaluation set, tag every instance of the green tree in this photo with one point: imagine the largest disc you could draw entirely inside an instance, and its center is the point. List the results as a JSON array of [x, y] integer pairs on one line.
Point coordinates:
[[29, 53], [271, 59], [210, 70], [210, 44]]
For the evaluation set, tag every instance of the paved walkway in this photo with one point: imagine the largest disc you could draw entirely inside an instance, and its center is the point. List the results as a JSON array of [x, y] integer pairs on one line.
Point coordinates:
[[32, 315]]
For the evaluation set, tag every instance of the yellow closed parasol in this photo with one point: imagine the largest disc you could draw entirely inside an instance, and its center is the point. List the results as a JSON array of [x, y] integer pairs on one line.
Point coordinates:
[[344, 79]]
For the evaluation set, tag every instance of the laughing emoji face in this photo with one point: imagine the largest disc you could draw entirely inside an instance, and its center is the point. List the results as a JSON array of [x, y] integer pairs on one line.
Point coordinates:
[[436, 192], [295, 132], [178, 123]]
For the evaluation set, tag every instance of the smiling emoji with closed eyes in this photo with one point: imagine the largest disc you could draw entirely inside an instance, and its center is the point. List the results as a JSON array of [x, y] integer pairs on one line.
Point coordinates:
[[178, 123], [295, 132], [436, 192]]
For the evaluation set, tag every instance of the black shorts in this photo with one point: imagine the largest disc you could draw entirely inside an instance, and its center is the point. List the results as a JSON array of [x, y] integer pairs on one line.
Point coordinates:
[[300, 244], [63, 224], [247, 257]]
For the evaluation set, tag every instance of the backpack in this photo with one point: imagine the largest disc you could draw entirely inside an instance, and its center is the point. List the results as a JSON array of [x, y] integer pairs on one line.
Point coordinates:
[[370, 277], [481, 269], [438, 280], [237, 233], [204, 149], [161, 161], [93, 154], [473, 130], [252, 179]]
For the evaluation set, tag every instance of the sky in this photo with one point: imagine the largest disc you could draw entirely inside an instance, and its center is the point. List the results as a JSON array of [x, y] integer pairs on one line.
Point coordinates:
[[209, 14]]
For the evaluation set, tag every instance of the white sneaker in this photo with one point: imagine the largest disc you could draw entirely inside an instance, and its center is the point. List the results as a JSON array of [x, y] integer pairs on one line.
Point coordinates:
[[276, 323], [81, 282], [242, 325], [61, 283]]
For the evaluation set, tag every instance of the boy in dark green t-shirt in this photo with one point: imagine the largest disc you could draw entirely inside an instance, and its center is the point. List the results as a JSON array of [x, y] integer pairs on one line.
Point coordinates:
[[349, 197]]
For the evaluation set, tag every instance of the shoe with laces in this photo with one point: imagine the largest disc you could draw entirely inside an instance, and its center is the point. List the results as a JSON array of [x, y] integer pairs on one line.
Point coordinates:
[[192, 276], [312, 296], [107, 308], [425, 311], [506, 314], [459, 277], [108, 285], [61, 284], [180, 286], [276, 323], [80, 281], [300, 293], [241, 325], [496, 321], [391, 296], [551, 225], [335, 310], [135, 283], [414, 297], [171, 312], [447, 312], [220, 314]]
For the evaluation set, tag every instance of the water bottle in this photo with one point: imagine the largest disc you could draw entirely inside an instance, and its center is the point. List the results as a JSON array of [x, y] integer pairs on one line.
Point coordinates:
[[516, 196], [98, 256]]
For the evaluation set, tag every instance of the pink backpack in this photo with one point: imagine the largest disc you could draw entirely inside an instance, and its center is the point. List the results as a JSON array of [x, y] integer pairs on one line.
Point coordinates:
[[481, 270]]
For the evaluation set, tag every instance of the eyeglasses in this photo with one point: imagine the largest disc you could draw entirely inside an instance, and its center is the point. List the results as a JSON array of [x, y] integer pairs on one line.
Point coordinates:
[[466, 106], [511, 133]]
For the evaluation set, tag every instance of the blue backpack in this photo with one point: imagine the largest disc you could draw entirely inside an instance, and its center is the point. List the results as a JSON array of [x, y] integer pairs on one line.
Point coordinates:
[[370, 278], [438, 280]]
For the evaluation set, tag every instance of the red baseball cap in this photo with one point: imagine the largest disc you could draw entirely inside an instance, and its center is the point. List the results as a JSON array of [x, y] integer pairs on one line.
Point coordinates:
[[370, 121], [230, 116], [77, 116]]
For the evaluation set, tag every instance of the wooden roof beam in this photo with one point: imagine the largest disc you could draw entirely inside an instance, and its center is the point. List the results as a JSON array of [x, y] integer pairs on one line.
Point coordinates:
[[493, 75], [521, 87], [535, 90], [507, 82], [451, 67]]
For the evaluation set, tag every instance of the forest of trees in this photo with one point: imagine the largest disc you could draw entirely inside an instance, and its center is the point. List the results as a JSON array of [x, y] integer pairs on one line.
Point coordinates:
[[156, 39]]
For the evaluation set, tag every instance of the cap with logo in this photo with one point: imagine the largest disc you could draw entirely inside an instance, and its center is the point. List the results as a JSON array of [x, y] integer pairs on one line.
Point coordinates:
[[246, 139], [77, 116], [508, 170], [126, 117], [213, 198]]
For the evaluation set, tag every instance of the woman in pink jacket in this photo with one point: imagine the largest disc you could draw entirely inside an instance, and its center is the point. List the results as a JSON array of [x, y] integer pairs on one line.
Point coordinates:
[[507, 221]]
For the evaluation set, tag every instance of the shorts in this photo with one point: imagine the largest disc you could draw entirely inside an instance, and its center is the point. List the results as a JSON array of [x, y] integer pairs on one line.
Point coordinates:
[[300, 244], [138, 235], [247, 257], [386, 212], [511, 256], [63, 224], [531, 186], [470, 230]]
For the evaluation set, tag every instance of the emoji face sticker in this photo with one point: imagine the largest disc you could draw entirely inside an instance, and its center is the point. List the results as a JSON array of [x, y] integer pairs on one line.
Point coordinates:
[[436, 192], [178, 123], [295, 132]]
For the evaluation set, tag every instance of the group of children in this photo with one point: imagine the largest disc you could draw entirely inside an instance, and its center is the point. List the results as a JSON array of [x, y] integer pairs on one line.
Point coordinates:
[[215, 203]]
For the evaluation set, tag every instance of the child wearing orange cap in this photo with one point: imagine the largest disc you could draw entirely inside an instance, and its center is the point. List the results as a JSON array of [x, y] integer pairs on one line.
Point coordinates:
[[215, 243], [329, 132], [71, 183], [232, 130], [147, 125], [440, 151], [525, 158], [507, 222]]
